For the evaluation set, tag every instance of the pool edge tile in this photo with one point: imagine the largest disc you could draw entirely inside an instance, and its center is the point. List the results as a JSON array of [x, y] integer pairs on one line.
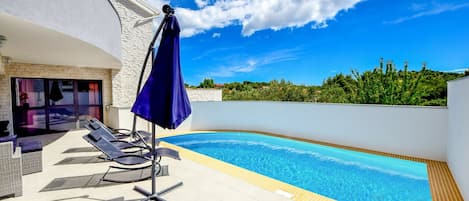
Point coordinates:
[[262, 181], [442, 184]]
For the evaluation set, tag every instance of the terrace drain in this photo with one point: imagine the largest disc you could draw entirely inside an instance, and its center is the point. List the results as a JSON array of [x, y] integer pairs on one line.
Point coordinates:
[[284, 193]]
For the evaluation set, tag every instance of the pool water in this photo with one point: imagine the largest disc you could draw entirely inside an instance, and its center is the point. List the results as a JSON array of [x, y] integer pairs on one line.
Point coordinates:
[[336, 173]]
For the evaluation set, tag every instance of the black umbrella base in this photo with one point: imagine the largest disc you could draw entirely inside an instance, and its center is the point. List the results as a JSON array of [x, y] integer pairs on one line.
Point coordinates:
[[150, 196]]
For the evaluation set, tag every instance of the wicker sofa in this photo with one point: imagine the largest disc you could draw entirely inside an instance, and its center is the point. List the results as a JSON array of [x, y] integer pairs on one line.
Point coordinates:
[[31, 158], [10, 170]]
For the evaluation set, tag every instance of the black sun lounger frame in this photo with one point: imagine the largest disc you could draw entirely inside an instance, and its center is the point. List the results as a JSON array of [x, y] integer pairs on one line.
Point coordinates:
[[115, 154]]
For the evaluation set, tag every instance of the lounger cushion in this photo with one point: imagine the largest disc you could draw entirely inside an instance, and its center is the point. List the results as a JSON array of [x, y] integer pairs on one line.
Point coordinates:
[[95, 125], [95, 136]]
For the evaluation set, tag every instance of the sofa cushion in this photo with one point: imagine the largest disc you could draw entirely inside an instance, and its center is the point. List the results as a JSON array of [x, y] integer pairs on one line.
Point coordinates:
[[9, 138], [30, 146]]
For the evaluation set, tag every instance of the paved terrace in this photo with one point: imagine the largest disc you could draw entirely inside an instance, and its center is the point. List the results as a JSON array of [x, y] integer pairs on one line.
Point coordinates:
[[200, 182], [204, 178]]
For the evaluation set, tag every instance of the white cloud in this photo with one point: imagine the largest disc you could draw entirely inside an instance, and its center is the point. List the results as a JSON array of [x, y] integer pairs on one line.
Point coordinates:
[[457, 70], [252, 64], [256, 15], [418, 6], [233, 70], [213, 51], [434, 10], [216, 35], [201, 3]]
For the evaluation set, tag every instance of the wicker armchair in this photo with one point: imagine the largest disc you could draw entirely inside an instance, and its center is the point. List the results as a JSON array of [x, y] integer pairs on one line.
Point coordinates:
[[10, 170]]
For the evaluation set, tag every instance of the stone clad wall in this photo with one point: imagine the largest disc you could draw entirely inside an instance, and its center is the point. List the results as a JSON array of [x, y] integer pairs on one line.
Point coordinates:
[[135, 39], [49, 71]]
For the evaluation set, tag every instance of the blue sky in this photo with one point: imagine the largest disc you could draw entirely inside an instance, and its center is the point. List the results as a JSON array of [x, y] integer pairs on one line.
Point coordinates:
[[306, 41]]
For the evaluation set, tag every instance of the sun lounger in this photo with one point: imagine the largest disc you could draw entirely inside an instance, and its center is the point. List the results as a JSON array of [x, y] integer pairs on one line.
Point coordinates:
[[122, 133], [115, 154], [104, 132]]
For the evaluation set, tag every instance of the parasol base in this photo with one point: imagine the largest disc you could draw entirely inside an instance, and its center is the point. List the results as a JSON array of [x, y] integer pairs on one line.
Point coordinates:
[[150, 196]]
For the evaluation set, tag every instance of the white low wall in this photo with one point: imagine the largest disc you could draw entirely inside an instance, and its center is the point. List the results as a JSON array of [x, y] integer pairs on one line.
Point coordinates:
[[405, 130], [204, 94], [458, 133], [121, 117]]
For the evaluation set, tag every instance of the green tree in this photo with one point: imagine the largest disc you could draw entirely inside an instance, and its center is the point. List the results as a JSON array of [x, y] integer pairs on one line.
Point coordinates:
[[389, 86], [207, 83], [333, 94], [384, 84]]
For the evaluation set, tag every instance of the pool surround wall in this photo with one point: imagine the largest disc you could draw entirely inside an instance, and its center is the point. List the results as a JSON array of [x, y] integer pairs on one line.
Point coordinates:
[[458, 133], [404, 130]]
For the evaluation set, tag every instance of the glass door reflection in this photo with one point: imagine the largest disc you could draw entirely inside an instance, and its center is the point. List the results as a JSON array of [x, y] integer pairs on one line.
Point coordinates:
[[61, 104], [89, 100]]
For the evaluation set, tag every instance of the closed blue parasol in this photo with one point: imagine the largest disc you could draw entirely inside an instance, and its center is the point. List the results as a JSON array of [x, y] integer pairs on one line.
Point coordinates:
[[163, 99]]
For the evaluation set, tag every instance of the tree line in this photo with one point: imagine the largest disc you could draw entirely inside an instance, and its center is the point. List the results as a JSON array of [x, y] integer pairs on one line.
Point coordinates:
[[384, 84]]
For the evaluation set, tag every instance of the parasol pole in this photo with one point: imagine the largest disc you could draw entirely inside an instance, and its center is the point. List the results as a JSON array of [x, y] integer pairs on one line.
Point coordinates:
[[153, 195]]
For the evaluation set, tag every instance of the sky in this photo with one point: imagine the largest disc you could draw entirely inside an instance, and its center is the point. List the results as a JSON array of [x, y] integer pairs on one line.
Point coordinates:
[[307, 41]]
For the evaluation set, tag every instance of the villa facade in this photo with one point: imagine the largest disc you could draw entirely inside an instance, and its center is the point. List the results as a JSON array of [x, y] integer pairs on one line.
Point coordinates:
[[66, 61], [84, 54]]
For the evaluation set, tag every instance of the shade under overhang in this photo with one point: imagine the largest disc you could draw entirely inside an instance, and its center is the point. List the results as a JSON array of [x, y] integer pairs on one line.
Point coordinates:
[[30, 43]]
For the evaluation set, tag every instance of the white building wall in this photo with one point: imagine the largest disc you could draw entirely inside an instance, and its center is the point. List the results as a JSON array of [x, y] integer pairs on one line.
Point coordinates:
[[458, 133], [406, 130], [204, 94]]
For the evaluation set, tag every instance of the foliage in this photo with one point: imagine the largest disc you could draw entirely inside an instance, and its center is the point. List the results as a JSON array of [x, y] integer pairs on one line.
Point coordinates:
[[207, 83], [274, 90], [388, 86], [466, 72], [384, 84]]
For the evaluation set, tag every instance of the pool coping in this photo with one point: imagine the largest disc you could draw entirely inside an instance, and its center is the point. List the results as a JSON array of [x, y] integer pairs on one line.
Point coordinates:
[[442, 184], [286, 190]]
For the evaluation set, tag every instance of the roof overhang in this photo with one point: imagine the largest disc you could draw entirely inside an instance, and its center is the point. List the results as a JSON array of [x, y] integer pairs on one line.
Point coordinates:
[[144, 6], [27, 42]]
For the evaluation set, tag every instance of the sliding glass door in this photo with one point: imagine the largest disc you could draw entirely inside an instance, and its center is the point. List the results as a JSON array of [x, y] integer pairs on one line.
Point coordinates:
[[29, 114], [54, 105]]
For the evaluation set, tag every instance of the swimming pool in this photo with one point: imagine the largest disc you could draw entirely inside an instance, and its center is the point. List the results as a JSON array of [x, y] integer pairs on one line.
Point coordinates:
[[336, 173]]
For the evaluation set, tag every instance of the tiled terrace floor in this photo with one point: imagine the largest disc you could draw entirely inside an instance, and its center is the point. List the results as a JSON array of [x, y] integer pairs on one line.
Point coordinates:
[[214, 180], [200, 182]]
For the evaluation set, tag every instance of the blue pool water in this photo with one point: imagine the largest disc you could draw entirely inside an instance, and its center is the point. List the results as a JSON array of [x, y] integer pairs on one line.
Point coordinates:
[[336, 173]]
